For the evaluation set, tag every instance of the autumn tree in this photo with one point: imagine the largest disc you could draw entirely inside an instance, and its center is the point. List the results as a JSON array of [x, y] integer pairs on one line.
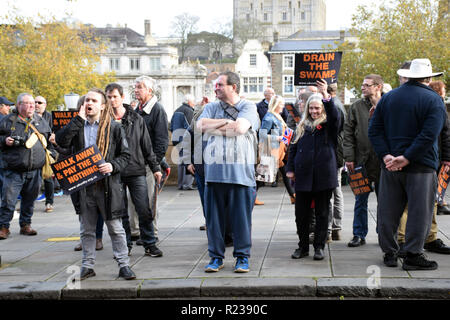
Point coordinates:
[[397, 31], [48, 58]]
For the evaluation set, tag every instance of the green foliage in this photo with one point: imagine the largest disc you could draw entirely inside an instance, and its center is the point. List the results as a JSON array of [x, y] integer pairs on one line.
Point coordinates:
[[398, 31], [49, 58]]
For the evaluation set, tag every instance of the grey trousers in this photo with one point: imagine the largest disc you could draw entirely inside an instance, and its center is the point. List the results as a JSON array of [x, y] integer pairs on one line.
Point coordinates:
[[336, 207], [184, 180], [398, 189], [88, 221]]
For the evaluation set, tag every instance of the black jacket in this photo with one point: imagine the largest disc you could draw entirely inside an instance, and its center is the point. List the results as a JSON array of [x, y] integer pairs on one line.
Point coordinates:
[[19, 158], [118, 155], [139, 144], [158, 129], [313, 157]]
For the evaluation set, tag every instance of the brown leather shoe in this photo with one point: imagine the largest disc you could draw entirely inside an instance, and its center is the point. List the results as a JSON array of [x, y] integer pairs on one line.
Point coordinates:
[[27, 231], [98, 244], [78, 247], [258, 203], [4, 233]]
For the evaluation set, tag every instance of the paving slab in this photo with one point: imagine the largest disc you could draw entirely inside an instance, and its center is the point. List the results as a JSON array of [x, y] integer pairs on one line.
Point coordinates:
[[34, 268]]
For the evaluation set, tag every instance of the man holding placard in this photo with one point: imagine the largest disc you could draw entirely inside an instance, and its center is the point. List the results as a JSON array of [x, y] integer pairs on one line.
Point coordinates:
[[359, 152], [94, 125]]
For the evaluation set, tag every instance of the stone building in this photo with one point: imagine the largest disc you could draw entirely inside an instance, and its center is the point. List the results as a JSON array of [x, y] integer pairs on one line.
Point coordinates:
[[281, 18], [131, 55]]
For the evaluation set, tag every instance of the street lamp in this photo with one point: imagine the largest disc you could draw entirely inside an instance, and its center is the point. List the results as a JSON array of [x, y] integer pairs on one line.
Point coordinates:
[[71, 100]]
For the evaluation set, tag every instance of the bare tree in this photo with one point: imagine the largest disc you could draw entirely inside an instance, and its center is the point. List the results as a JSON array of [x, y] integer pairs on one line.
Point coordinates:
[[182, 26], [244, 30]]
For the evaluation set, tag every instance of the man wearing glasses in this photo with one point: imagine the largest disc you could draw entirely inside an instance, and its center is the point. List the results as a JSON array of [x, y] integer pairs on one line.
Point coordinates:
[[23, 159], [49, 187], [358, 150]]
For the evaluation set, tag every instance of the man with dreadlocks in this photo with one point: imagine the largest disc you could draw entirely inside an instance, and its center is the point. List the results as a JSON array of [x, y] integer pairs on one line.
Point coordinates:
[[94, 125]]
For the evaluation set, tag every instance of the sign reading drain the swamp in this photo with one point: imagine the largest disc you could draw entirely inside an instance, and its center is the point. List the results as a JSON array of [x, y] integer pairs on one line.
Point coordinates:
[[310, 67]]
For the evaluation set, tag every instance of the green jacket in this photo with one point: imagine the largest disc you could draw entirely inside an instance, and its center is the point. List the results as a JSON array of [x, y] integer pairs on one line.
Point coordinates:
[[357, 146]]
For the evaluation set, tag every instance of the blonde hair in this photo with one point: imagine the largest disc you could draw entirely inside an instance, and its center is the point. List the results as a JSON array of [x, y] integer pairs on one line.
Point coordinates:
[[275, 101], [307, 120]]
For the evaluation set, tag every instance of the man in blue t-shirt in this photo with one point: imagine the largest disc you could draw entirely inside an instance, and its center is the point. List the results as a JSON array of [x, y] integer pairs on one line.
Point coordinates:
[[229, 127]]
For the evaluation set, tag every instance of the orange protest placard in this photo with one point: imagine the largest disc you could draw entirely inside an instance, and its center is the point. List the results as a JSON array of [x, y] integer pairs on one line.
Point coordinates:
[[359, 181], [310, 67], [443, 179]]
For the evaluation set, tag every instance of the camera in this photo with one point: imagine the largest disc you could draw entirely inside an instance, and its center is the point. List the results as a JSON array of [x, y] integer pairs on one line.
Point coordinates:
[[18, 141]]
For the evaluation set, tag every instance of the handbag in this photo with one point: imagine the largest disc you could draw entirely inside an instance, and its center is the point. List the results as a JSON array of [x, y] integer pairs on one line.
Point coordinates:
[[267, 167], [47, 171]]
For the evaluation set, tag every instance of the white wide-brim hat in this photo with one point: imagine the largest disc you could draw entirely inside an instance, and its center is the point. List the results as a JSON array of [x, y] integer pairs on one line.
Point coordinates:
[[420, 68]]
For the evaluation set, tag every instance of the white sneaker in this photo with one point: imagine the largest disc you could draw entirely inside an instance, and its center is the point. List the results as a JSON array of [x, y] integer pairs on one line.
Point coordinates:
[[48, 207]]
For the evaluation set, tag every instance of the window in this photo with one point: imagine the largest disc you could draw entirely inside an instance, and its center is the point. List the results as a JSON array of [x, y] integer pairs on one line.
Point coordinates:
[[303, 15], [114, 64], [247, 17], [265, 16], [288, 62], [253, 60], [135, 64], [288, 84], [253, 84], [284, 16], [155, 64], [299, 4]]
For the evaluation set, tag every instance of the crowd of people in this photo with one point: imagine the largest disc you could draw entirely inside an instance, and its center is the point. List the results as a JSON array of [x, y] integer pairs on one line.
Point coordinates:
[[399, 136]]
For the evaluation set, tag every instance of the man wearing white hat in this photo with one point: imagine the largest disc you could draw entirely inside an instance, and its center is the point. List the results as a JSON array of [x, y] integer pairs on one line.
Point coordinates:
[[404, 131]]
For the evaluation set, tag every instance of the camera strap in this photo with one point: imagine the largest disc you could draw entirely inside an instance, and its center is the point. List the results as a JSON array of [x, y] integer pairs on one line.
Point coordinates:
[[40, 136]]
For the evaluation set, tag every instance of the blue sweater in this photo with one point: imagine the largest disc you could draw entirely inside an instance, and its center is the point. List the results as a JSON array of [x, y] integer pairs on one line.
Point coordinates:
[[407, 121]]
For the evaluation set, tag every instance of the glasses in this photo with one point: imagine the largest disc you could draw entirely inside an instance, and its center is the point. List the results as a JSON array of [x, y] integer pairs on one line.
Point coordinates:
[[365, 85], [39, 102]]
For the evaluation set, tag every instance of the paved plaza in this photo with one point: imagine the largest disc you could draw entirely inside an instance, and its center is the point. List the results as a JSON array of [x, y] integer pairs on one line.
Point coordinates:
[[40, 267]]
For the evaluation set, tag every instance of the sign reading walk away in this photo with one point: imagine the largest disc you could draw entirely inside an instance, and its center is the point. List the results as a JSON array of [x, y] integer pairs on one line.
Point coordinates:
[[313, 66], [61, 118], [79, 170], [359, 182]]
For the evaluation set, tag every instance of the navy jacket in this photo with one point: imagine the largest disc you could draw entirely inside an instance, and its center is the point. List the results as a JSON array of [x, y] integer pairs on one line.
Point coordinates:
[[408, 121], [313, 157]]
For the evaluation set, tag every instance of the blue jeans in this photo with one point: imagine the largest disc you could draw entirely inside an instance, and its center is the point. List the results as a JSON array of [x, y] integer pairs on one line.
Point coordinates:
[[49, 190], [26, 184], [234, 202], [200, 180], [360, 220], [139, 195], [1, 184]]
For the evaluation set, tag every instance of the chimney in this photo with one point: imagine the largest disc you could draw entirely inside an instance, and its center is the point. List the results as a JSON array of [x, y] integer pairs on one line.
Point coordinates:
[[148, 34], [147, 28], [275, 36]]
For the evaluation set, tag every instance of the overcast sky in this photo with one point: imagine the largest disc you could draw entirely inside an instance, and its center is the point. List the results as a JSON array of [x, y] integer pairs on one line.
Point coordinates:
[[160, 12]]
